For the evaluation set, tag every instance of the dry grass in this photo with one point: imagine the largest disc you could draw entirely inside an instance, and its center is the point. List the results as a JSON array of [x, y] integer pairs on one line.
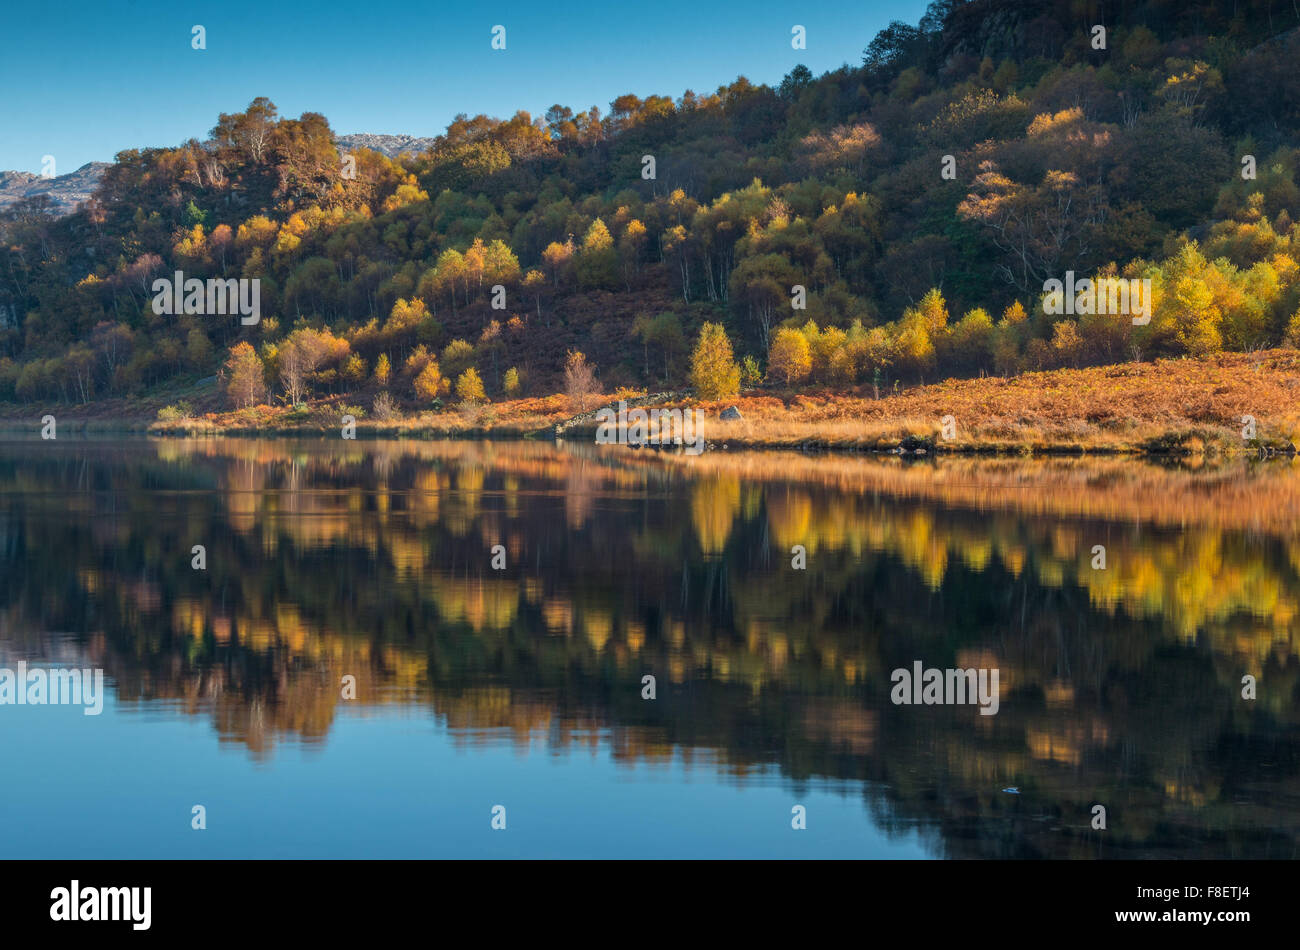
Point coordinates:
[[1169, 405], [517, 417], [1180, 406]]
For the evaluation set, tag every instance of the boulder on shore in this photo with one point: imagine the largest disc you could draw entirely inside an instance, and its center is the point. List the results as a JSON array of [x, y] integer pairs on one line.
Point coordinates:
[[731, 412]]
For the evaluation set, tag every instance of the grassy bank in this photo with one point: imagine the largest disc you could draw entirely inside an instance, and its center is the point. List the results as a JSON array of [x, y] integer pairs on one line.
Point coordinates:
[[1169, 407], [1184, 407]]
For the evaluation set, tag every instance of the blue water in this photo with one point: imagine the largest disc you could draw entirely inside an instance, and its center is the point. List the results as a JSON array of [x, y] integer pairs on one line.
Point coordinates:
[[391, 785]]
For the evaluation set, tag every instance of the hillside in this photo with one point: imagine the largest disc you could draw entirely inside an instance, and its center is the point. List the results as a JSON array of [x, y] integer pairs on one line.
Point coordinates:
[[68, 191], [893, 222]]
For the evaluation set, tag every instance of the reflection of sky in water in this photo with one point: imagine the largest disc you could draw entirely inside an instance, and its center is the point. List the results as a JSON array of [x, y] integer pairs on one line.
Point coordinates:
[[392, 784]]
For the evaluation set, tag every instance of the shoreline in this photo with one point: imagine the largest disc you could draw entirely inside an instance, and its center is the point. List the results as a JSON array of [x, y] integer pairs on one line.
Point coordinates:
[[1175, 443]]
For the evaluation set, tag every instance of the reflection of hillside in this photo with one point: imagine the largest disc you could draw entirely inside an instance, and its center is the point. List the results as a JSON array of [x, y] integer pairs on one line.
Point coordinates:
[[1198, 581], [1260, 497], [330, 559]]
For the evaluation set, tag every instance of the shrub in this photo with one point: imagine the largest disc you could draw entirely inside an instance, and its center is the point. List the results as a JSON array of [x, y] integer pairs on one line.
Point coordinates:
[[175, 413], [384, 407]]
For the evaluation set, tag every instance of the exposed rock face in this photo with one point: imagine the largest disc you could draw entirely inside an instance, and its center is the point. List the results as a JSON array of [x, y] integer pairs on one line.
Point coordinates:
[[65, 191], [731, 412], [1002, 29]]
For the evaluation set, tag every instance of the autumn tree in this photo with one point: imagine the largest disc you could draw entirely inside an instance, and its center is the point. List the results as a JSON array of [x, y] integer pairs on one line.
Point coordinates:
[[354, 370], [457, 357], [249, 132], [469, 387], [714, 371], [1066, 342], [790, 357], [429, 384], [597, 263], [968, 347], [580, 382], [844, 147], [630, 247], [500, 265], [1037, 227], [245, 385], [913, 346], [300, 355], [558, 259]]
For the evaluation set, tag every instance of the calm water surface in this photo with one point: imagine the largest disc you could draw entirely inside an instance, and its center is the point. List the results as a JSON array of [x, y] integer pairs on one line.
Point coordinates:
[[523, 687]]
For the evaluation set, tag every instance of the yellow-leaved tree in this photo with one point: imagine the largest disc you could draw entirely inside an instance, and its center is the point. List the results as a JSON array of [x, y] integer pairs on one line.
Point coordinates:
[[790, 358], [245, 383], [511, 382], [469, 386], [714, 371], [429, 384]]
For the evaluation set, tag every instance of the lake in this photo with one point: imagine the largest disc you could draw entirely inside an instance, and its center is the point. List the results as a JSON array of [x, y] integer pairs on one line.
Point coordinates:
[[381, 642]]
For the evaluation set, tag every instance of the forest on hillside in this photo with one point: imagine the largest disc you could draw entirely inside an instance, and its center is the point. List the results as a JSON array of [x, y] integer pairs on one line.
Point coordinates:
[[920, 198]]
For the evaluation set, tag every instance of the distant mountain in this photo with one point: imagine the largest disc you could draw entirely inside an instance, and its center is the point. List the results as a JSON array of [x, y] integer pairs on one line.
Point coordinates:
[[390, 145], [67, 191]]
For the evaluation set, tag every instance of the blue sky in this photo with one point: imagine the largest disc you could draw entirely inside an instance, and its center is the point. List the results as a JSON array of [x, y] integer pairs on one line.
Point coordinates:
[[84, 80]]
